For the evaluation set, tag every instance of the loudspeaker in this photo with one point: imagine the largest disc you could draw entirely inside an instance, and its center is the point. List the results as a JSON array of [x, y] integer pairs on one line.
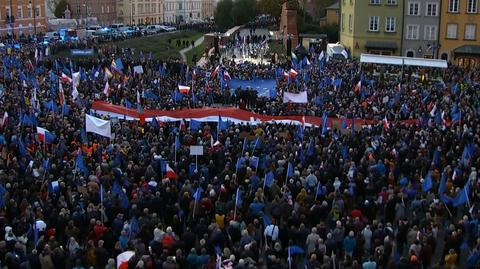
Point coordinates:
[[289, 47]]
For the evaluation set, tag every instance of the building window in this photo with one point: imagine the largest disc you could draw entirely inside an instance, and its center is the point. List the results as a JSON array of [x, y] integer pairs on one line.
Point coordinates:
[[391, 2], [413, 31], [373, 23], [472, 6], [19, 12], [430, 32], [29, 12], [350, 22], [413, 8], [37, 11], [375, 2], [431, 9], [453, 6], [390, 24], [470, 31], [452, 30], [180, 6]]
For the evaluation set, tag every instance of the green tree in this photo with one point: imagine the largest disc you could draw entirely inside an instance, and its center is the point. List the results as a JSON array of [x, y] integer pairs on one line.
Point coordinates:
[[292, 4], [60, 8], [243, 11], [223, 14], [272, 7]]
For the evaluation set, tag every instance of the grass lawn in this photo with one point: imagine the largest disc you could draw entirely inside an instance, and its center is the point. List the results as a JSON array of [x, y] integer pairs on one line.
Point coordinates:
[[194, 36], [199, 51], [161, 45]]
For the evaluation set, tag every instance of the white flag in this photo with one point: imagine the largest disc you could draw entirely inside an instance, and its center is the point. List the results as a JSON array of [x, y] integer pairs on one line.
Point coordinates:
[[76, 78], [138, 69], [106, 88], [289, 97], [320, 57], [98, 126], [74, 93]]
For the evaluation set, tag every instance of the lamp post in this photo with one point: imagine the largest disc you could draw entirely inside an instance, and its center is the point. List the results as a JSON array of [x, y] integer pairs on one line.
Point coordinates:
[[33, 8], [12, 19], [86, 15]]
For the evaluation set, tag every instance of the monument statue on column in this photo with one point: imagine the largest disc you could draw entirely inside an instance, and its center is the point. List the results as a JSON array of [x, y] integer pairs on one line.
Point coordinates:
[[288, 25]]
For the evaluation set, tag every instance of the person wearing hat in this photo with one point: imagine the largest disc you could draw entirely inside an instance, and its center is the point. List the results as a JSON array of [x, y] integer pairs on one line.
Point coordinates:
[[451, 259], [169, 263]]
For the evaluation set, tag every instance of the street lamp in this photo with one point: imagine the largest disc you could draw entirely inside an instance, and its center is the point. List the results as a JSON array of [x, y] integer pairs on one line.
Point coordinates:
[[420, 50], [86, 14], [34, 10], [11, 19]]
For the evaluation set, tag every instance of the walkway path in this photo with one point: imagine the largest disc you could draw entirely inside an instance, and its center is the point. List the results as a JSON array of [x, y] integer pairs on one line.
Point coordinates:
[[197, 43]]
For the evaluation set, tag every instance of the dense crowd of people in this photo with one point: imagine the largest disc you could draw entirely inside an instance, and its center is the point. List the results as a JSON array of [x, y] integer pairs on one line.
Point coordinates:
[[401, 192]]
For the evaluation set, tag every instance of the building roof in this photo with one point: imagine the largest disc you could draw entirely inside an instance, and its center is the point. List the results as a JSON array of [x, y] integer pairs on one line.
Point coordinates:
[[397, 60], [468, 49], [335, 5]]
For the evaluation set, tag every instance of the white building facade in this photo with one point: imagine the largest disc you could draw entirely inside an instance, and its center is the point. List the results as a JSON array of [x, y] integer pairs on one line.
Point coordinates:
[[141, 12], [182, 10]]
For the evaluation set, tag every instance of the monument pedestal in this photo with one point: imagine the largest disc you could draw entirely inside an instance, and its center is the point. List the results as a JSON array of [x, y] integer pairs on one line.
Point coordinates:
[[288, 25]]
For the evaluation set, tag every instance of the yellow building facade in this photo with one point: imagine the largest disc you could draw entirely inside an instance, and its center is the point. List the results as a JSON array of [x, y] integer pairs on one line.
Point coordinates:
[[459, 32], [371, 26]]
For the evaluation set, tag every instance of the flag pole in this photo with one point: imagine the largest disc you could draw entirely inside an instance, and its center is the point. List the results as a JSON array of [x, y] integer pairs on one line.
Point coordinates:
[[235, 209], [466, 195], [316, 191], [101, 202], [194, 208], [333, 260], [448, 210]]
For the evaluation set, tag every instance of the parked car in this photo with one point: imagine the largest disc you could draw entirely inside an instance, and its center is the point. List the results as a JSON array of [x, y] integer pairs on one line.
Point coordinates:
[[154, 29], [51, 36], [103, 32], [116, 26], [170, 28], [142, 29], [127, 31]]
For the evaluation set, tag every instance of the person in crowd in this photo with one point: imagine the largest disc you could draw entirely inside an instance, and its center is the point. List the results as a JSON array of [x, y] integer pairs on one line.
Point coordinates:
[[379, 171]]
